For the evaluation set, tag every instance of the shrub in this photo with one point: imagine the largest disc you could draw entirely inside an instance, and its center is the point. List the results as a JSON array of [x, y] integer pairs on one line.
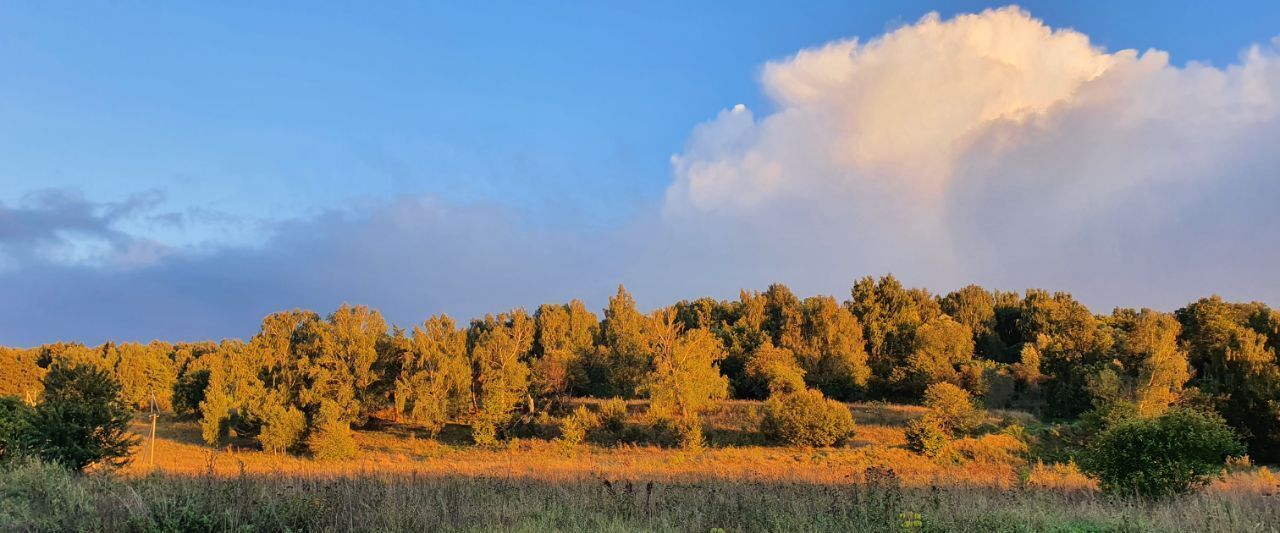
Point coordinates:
[[613, 415], [806, 418], [282, 428], [926, 436], [689, 434], [574, 427], [82, 420], [15, 423], [1174, 453], [331, 438], [953, 407]]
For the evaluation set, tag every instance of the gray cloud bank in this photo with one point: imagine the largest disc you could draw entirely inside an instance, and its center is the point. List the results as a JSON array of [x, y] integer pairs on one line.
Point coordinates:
[[987, 148]]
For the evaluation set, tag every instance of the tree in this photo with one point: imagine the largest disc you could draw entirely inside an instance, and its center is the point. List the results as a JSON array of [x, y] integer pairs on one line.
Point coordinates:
[[20, 372], [1174, 453], [889, 315], [565, 337], [685, 379], [1070, 343], [774, 371], [828, 344], [927, 435], [434, 383], [1148, 369], [282, 428], [942, 346], [742, 334], [15, 426], [806, 418], [501, 378], [82, 419], [626, 356], [189, 392], [974, 307], [357, 332], [1235, 366]]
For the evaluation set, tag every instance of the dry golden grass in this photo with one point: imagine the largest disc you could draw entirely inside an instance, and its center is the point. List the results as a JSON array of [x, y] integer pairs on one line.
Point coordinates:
[[993, 460], [404, 482]]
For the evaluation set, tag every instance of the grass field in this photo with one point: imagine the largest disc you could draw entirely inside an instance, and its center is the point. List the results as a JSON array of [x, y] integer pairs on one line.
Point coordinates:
[[403, 481]]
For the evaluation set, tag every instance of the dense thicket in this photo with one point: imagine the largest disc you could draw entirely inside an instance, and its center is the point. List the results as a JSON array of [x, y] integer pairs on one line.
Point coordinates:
[[304, 380]]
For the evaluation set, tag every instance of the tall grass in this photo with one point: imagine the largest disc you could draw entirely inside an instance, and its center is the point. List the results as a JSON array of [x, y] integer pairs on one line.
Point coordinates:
[[40, 497]]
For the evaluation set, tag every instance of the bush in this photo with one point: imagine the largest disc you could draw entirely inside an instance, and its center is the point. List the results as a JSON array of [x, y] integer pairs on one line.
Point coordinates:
[[689, 434], [282, 428], [806, 418], [953, 408], [1174, 453], [82, 420], [574, 427], [926, 436], [331, 438], [613, 415], [15, 425]]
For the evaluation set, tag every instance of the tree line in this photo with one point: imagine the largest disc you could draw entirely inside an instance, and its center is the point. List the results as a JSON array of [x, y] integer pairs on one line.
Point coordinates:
[[303, 381]]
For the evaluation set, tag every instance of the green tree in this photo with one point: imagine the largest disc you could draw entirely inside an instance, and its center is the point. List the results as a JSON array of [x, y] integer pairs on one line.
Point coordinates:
[[685, 379], [942, 347], [501, 377], [435, 376], [565, 338], [1235, 365], [357, 332], [889, 315], [974, 307], [626, 357], [828, 344], [1174, 453], [82, 419], [15, 426], [775, 371]]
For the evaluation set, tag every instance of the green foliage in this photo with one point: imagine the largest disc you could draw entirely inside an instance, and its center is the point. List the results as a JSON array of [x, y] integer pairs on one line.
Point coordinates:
[[942, 346], [684, 381], [613, 415], [1174, 453], [282, 428], [620, 367], [434, 382], [331, 439], [574, 427], [189, 392], [501, 378], [15, 426], [927, 436], [82, 419], [828, 344], [806, 418], [774, 371], [953, 408]]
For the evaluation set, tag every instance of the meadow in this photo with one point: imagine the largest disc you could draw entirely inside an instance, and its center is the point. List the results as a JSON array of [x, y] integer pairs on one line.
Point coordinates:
[[403, 480]]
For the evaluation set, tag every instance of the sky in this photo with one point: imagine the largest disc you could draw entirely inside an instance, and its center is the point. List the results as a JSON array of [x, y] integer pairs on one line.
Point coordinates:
[[179, 171]]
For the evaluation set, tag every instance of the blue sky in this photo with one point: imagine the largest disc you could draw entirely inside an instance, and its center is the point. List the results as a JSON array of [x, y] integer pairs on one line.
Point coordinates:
[[231, 121], [280, 110]]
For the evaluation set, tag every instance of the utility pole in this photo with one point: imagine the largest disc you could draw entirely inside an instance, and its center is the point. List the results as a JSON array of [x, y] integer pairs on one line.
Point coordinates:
[[154, 415]]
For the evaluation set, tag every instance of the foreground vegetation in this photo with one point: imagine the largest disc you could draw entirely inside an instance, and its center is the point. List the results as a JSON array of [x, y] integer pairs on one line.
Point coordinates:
[[42, 498]]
